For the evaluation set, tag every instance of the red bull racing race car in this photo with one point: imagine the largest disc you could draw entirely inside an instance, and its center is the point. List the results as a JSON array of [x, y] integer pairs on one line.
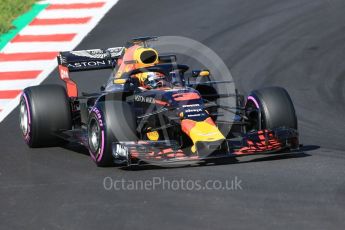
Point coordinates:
[[153, 110]]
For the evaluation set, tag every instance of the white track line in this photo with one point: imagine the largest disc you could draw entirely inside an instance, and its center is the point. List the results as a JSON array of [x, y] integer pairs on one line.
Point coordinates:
[[13, 66], [4, 102], [29, 47], [16, 84], [57, 14], [54, 29]]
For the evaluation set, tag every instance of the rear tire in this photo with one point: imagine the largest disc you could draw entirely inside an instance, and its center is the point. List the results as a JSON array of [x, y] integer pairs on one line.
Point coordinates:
[[44, 109], [109, 122], [270, 108]]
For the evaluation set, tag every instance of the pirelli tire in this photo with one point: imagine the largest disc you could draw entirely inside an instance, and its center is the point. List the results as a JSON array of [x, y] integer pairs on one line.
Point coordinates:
[[270, 108], [109, 122], [44, 110]]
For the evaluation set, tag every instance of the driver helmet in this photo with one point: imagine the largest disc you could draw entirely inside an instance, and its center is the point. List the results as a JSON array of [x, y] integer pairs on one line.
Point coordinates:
[[154, 80]]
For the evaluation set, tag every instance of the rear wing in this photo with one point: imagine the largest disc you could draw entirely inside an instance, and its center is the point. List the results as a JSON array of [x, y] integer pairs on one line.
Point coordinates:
[[85, 60]]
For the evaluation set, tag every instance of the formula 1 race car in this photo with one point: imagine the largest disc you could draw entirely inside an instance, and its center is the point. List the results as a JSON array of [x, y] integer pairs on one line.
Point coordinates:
[[152, 111]]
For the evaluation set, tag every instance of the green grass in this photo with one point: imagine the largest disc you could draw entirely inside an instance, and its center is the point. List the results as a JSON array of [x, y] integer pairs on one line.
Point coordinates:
[[10, 10]]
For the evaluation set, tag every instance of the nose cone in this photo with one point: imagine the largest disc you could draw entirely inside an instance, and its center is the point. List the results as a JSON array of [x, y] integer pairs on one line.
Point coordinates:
[[202, 131]]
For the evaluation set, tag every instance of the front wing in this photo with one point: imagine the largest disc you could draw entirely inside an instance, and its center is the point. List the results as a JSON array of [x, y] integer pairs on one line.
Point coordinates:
[[165, 152]]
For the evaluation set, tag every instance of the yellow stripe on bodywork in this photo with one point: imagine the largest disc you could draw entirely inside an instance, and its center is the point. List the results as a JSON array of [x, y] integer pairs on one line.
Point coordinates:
[[202, 131]]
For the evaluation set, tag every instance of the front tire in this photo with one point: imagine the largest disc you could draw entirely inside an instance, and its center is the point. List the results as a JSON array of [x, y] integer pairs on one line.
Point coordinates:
[[109, 122], [270, 108]]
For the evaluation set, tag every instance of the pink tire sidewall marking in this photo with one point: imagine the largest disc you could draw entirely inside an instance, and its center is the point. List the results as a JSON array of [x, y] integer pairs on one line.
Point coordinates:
[[251, 98], [99, 154]]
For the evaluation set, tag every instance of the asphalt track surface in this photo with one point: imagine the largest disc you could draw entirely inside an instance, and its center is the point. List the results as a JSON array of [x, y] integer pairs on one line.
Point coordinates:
[[297, 44]]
